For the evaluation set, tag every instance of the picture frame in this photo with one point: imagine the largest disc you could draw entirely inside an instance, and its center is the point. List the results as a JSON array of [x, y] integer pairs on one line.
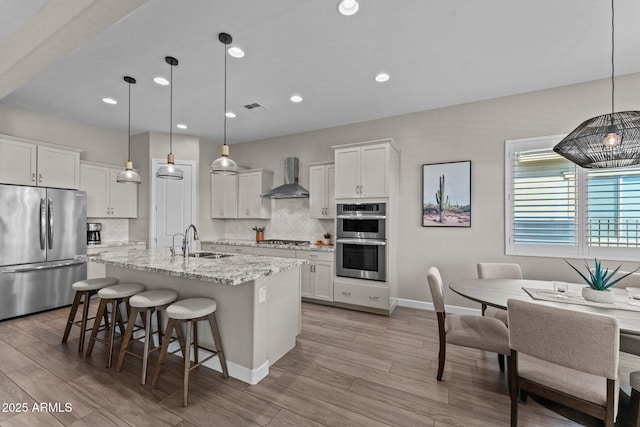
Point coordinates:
[[446, 194]]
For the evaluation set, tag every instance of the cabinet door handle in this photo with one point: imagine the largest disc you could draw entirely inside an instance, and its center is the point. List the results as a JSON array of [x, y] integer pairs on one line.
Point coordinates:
[[39, 177], [374, 297], [33, 177], [347, 294]]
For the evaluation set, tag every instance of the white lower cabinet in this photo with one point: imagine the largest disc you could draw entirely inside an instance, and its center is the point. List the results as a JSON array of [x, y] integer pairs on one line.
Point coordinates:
[[364, 295], [317, 276]]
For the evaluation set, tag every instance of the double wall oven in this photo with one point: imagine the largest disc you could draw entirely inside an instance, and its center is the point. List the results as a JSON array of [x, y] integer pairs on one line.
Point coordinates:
[[361, 246]]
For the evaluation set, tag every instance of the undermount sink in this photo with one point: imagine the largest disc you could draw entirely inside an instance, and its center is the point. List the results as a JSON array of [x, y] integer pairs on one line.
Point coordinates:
[[208, 255]]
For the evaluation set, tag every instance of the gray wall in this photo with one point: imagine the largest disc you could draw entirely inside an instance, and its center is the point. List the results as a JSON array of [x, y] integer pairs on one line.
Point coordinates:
[[475, 132]]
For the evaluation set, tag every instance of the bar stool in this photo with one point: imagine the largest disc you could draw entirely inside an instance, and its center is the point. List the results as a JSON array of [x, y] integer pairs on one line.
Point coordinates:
[[190, 311], [145, 304], [634, 379], [84, 288], [113, 295]]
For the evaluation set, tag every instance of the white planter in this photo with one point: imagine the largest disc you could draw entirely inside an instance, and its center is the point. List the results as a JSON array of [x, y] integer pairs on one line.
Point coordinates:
[[607, 296], [326, 241]]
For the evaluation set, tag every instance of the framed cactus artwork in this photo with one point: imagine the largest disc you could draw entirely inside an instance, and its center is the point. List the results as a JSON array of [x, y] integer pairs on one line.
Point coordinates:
[[446, 194]]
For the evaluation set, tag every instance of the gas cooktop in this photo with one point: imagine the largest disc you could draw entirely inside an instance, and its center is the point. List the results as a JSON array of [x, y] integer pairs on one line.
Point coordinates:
[[283, 242]]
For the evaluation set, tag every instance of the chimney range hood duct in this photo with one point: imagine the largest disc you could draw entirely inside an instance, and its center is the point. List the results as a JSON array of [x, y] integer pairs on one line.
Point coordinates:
[[291, 189]]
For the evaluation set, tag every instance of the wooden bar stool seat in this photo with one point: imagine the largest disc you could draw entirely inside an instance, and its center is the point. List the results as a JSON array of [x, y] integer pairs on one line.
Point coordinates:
[[634, 379], [85, 289], [189, 312], [113, 295], [145, 304]]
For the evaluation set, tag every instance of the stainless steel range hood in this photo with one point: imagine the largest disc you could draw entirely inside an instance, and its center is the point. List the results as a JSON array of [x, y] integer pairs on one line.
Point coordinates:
[[291, 189]]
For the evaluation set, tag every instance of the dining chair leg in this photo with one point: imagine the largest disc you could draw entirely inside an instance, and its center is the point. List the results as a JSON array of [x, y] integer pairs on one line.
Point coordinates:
[[443, 346], [501, 362], [513, 386], [484, 308], [634, 407]]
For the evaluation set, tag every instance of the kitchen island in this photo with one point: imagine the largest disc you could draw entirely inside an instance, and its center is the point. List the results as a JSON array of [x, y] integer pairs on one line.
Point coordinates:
[[258, 300]]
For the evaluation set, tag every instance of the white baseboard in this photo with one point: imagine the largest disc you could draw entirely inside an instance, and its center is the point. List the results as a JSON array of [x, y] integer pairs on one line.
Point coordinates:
[[249, 376], [424, 305]]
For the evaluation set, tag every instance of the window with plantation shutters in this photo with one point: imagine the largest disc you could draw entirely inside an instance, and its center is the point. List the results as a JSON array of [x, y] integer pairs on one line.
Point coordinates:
[[541, 199], [554, 208], [613, 213]]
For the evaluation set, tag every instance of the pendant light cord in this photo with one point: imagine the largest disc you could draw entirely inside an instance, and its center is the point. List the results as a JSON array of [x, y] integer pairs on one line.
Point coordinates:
[[225, 95], [129, 126], [613, 85], [171, 111]]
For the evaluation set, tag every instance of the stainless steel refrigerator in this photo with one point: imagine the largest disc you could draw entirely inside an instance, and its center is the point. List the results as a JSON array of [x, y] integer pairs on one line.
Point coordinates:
[[43, 247]]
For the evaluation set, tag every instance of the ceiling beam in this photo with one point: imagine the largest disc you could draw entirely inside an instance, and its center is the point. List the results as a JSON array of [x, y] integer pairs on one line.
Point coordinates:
[[59, 28]]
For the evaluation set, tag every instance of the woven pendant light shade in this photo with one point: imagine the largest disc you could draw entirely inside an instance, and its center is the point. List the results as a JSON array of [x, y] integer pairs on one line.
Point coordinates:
[[585, 145]]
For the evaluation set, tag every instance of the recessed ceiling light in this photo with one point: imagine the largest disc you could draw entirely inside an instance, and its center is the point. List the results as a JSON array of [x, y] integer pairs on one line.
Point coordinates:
[[161, 81], [382, 77], [181, 126], [236, 52], [296, 98], [348, 7], [109, 101], [230, 114]]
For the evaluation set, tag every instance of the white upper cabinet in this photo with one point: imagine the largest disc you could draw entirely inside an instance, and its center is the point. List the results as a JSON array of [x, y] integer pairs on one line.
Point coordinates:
[[27, 163], [364, 170], [224, 196], [105, 197], [321, 191], [251, 184]]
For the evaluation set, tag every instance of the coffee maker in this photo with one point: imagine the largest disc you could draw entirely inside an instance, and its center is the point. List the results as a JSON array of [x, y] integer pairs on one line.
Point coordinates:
[[93, 233]]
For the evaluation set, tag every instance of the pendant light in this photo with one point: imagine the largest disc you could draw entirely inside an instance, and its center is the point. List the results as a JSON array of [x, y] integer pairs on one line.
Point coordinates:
[[129, 175], [224, 165], [170, 170], [606, 141]]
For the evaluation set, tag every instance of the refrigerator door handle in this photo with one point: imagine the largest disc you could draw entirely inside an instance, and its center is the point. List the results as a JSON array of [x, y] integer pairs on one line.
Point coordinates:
[[50, 229], [41, 267], [43, 223]]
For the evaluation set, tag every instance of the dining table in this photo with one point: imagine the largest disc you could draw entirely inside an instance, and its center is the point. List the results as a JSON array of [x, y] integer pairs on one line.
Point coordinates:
[[496, 292]]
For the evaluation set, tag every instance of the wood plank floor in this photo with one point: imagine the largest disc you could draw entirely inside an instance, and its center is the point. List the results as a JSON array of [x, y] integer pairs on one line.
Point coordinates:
[[348, 369]]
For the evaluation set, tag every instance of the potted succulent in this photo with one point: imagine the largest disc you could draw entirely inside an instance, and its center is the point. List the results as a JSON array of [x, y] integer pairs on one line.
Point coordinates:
[[599, 281], [327, 239]]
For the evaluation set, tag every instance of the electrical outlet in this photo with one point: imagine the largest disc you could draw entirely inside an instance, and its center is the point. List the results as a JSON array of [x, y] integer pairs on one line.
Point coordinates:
[[262, 295]]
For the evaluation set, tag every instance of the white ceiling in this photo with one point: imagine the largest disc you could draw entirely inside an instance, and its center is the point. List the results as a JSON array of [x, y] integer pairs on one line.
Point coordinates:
[[438, 53]]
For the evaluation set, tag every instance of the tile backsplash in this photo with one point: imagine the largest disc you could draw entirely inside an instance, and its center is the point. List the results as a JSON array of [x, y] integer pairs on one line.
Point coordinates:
[[289, 220], [113, 230]]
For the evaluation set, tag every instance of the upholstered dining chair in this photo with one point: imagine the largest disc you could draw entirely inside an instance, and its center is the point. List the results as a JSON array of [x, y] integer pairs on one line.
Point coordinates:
[[482, 333], [498, 270], [566, 356]]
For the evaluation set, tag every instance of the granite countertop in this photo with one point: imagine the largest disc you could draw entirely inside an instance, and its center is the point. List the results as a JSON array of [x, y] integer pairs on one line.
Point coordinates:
[[115, 244], [230, 270], [253, 243]]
